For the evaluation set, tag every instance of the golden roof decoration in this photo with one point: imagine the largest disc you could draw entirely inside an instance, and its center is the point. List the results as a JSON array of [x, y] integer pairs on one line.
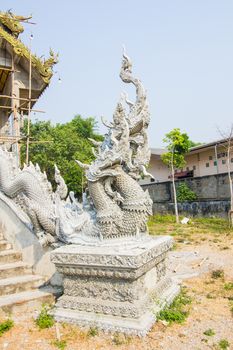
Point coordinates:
[[44, 67], [12, 22]]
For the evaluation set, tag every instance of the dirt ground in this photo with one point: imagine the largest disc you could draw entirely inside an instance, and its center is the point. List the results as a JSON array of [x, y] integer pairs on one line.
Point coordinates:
[[200, 250]]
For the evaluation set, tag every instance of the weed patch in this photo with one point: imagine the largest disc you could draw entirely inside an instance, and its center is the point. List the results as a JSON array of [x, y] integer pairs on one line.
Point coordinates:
[[45, 320], [209, 332], [178, 310], [228, 286], [224, 344], [120, 339], [60, 344], [92, 332], [6, 326], [217, 274]]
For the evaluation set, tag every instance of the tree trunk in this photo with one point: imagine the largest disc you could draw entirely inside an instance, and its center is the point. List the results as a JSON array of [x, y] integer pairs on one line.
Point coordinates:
[[174, 192]]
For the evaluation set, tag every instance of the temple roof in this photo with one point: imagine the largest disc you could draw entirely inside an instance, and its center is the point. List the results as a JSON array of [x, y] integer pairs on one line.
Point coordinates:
[[10, 28], [12, 22]]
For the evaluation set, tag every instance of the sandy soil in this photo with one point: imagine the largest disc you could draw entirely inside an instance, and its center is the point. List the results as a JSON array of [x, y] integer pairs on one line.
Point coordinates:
[[210, 309]]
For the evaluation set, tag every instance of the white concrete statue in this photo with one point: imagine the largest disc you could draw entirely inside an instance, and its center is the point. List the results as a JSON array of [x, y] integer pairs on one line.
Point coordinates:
[[121, 205], [115, 205]]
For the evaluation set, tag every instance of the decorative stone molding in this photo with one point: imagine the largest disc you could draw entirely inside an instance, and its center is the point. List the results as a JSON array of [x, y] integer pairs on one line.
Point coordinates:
[[123, 283]]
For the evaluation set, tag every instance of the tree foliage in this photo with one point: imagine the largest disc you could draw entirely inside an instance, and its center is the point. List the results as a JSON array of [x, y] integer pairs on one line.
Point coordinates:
[[66, 142], [194, 144], [177, 144]]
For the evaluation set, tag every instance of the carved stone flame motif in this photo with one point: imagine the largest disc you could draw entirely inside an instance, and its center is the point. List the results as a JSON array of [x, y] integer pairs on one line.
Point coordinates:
[[121, 205]]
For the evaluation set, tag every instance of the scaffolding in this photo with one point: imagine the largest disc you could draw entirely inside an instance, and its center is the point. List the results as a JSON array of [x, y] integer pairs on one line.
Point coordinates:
[[17, 108]]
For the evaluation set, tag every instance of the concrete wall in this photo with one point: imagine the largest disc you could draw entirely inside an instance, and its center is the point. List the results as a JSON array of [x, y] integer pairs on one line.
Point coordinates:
[[212, 191]]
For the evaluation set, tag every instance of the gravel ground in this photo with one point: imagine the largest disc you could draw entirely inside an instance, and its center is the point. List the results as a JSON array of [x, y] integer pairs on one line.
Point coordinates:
[[210, 309]]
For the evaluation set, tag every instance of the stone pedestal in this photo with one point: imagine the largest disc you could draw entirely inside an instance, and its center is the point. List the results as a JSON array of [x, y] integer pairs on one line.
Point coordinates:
[[117, 287]]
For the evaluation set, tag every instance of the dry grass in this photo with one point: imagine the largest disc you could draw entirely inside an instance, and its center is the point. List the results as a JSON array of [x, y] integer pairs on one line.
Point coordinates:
[[198, 230]]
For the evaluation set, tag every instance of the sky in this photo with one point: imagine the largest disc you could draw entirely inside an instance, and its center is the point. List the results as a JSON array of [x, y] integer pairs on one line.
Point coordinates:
[[182, 50]]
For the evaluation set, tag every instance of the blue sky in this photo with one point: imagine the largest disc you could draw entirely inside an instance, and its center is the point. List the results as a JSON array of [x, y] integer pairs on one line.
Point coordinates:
[[182, 50]]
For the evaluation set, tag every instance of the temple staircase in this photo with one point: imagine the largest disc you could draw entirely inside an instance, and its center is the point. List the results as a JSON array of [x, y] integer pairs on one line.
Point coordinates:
[[19, 287]]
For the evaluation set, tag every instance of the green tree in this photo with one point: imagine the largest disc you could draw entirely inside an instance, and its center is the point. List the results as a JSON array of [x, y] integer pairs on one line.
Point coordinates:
[[177, 145], [194, 144], [61, 144]]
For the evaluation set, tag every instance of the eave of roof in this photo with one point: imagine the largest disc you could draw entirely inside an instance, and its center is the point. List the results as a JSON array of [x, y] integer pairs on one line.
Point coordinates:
[[208, 145], [44, 68]]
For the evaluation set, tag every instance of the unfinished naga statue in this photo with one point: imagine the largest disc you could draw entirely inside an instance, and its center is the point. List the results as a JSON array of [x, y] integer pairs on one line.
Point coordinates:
[[120, 204]]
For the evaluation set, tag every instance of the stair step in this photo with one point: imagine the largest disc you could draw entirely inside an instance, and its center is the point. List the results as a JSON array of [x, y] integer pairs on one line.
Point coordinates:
[[14, 269], [24, 300], [5, 245], [8, 256], [20, 284]]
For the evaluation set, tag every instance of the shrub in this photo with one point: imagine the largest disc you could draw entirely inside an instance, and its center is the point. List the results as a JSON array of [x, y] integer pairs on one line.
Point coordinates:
[[184, 193], [45, 320], [6, 326]]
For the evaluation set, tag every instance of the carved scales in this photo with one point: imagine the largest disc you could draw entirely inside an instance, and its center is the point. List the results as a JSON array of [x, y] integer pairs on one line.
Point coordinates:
[[115, 279]]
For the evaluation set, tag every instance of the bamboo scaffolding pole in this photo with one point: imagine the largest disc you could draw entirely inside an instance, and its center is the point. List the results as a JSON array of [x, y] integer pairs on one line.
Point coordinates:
[[18, 98], [29, 104], [9, 69], [23, 109], [32, 110]]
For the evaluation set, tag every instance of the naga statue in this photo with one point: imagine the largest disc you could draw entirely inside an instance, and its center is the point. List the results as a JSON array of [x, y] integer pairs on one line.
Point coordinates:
[[114, 204], [30, 191], [121, 206]]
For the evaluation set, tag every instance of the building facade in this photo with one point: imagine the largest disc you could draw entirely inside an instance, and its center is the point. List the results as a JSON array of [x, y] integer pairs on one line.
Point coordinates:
[[203, 160]]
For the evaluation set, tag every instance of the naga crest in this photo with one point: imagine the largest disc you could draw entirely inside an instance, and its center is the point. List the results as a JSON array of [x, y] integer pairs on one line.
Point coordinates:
[[120, 204]]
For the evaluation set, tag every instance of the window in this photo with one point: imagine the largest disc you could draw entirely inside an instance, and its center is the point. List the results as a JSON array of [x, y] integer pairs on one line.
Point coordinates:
[[224, 161], [222, 155], [210, 158], [194, 167], [215, 163], [207, 165]]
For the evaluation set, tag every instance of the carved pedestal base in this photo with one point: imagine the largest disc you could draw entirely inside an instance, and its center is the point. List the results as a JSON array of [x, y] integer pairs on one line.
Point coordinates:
[[115, 288]]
